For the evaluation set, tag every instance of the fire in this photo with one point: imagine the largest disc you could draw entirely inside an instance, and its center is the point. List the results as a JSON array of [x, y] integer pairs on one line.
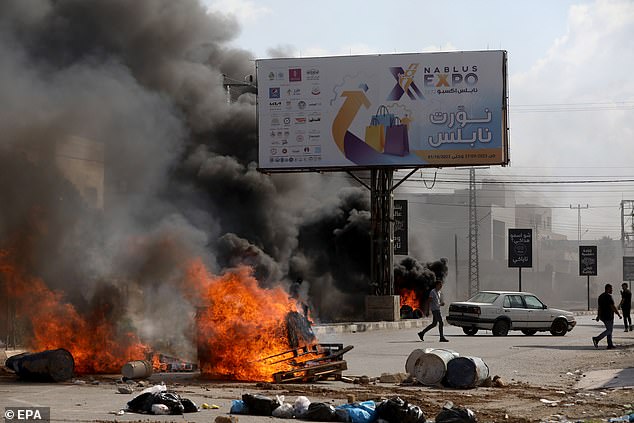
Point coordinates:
[[408, 297], [239, 324], [95, 343]]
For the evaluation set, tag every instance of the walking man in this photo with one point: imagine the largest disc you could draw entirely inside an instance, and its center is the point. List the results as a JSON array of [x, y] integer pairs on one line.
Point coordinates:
[[435, 301], [626, 305], [605, 313]]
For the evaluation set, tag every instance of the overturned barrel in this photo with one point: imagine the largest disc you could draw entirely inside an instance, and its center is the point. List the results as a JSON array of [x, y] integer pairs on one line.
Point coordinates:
[[137, 369], [412, 360], [431, 367], [466, 372], [56, 365]]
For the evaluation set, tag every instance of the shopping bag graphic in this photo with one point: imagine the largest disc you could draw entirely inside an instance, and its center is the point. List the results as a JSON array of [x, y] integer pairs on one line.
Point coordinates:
[[396, 139], [383, 116], [375, 135]]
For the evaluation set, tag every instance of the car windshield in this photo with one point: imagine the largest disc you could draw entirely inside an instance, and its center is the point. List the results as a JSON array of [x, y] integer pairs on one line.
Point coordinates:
[[484, 297]]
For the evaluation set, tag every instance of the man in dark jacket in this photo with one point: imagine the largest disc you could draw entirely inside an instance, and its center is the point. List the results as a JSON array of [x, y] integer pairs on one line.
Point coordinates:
[[605, 312]]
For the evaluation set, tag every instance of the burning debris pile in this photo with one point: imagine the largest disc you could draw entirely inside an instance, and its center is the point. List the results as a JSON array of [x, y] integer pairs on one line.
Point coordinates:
[[413, 281]]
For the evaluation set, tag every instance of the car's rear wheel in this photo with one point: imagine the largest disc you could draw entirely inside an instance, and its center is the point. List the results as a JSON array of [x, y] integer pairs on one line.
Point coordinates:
[[470, 331], [501, 328], [529, 332], [559, 327]]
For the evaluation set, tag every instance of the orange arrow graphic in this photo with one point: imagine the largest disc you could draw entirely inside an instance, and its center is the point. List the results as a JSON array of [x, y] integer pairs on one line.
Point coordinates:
[[347, 112]]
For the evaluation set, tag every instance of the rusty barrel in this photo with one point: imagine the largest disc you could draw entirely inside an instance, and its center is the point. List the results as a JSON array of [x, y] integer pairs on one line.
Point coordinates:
[[466, 372], [137, 369], [57, 365]]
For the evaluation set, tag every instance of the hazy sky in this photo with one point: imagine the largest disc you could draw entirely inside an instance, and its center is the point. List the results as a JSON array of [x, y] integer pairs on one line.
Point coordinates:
[[571, 88]]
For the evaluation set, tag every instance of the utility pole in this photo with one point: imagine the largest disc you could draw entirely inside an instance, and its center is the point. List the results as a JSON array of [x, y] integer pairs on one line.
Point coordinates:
[[474, 271], [579, 208], [627, 227]]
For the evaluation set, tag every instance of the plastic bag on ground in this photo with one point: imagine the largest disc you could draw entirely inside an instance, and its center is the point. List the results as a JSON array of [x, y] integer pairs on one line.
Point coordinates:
[[284, 411], [260, 405], [364, 412], [155, 389], [319, 412], [301, 405], [397, 410], [160, 409], [144, 403], [456, 415], [238, 407]]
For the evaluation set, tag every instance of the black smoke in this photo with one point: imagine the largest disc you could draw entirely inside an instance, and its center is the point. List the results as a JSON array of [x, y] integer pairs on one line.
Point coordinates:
[[144, 81], [421, 278]]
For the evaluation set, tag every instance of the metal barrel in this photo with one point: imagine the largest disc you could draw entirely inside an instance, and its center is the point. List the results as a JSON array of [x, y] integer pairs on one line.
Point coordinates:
[[431, 367], [137, 369], [56, 365], [413, 358], [466, 372]]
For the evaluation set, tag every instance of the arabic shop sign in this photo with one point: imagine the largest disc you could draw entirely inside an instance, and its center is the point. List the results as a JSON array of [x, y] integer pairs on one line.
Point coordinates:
[[587, 260], [520, 248], [400, 227]]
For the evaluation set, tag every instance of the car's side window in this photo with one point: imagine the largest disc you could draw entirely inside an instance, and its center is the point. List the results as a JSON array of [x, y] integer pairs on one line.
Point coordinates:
[[533, 302], [516, 301], [513, 301]]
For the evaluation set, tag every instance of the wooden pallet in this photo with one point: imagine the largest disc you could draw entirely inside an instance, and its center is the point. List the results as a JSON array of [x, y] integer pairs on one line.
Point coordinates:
[[312, 373], [312, 363]]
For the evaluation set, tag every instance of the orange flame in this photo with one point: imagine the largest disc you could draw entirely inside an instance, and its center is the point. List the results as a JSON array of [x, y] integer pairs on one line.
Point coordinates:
[[96, 345], [239, 324], [408, 297]]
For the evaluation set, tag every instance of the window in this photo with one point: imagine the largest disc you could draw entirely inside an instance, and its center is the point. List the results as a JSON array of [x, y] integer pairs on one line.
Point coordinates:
[[484, 297], [513, 301], [533, 302]]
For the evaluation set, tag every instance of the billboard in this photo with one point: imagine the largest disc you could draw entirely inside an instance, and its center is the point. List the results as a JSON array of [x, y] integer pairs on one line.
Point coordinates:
[[400, 227], [520, 248], [396, 110], [587, 260]]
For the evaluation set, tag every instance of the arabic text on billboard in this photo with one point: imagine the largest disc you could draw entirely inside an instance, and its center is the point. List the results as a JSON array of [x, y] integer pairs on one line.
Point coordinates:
[[587, 260], [401, 110]]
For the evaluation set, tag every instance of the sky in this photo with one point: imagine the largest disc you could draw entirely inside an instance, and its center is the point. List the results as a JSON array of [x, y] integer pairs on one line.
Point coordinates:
[[571, 90]]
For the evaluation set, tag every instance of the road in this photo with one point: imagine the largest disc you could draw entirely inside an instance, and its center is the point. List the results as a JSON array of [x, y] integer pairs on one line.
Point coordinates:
[[532, 367], [541, 359]]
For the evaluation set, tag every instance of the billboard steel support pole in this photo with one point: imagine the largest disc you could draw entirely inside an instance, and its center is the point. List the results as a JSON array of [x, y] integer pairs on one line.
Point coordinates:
[[382, 227]]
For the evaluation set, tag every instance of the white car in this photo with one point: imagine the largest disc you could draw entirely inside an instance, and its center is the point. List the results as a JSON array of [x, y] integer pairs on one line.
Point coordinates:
[[501, 311]]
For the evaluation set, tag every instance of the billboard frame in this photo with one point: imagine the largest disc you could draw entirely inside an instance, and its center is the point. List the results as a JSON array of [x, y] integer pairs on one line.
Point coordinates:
[[504, 125]]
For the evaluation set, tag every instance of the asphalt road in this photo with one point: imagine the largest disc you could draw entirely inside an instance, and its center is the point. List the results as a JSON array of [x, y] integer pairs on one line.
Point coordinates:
[[542, 360]]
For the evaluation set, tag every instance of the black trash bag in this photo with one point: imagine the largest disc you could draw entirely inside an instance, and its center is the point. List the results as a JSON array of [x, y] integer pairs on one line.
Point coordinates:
[[319, 412], [260, 405], [456, 415], [342, 415], [396, 410], [177, 405], [189, 405]]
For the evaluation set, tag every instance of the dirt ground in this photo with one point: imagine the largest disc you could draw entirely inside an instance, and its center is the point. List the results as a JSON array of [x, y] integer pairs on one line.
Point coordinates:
[[507, 401]]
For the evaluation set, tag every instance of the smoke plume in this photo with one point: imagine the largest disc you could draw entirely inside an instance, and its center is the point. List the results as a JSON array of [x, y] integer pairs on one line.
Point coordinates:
[[136, 89]]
